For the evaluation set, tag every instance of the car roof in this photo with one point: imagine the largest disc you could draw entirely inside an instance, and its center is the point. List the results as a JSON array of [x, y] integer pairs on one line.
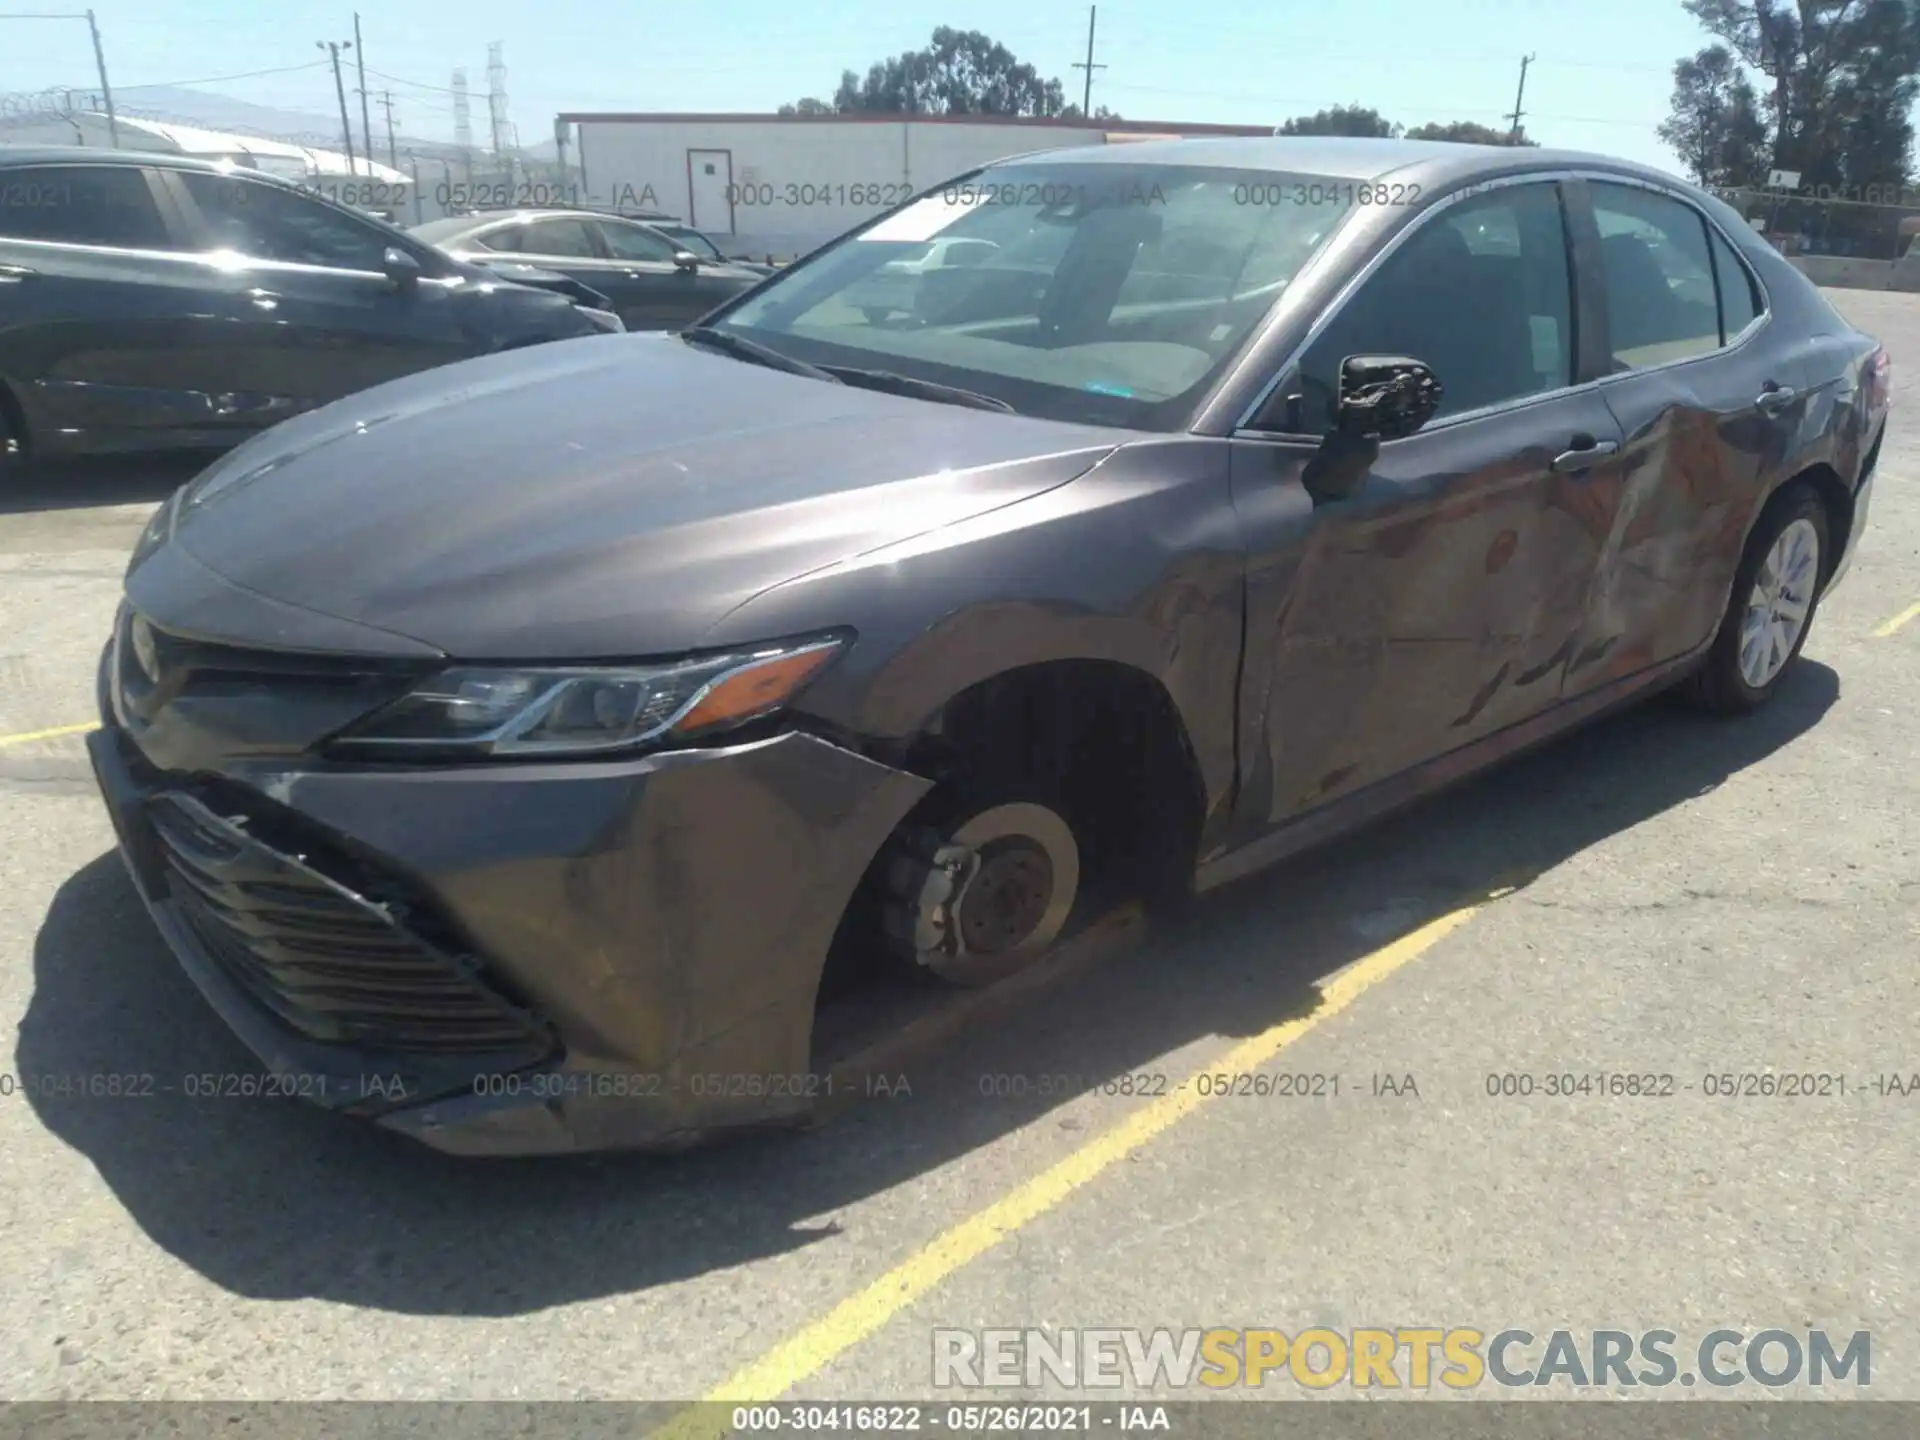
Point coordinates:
[[1342, 157]]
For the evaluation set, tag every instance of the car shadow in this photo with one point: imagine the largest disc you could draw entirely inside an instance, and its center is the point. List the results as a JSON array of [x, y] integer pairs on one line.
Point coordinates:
[[273, 1199], [32, 485]]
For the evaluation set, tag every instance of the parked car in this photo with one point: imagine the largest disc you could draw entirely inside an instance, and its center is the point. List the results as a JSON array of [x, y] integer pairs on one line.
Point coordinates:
[[537, 730], [151, 302], [655, 282]]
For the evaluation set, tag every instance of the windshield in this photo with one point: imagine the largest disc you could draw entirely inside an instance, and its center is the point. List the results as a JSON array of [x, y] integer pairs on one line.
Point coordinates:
[[1102, 293]]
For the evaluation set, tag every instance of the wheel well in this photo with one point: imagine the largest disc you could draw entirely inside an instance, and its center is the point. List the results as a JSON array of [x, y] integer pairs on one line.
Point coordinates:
[[1825, 482], [1106, 741]]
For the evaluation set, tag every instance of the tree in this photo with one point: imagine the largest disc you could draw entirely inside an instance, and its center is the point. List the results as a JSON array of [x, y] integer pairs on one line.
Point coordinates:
[[1100, 112], [808, 106], [1341, 120], [1468, 132], [1841, 80], [1715, 126], [963, 72]]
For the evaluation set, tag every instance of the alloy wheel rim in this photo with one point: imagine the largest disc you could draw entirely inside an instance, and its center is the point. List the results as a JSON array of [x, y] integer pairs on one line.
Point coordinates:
[[1780, 602]]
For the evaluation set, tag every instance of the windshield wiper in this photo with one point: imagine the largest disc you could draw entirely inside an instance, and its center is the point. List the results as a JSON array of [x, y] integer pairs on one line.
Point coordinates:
[[742, 348], [896, 384]]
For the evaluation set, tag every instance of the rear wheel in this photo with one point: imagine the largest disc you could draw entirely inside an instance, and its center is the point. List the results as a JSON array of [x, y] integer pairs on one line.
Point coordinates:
[[1775, 593]]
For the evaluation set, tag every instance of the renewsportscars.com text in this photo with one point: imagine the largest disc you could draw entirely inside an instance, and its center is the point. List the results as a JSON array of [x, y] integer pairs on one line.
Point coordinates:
[[1400, 1357]]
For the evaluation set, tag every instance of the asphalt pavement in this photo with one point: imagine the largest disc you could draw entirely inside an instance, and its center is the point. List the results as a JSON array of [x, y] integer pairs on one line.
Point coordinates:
[[1660, 896]]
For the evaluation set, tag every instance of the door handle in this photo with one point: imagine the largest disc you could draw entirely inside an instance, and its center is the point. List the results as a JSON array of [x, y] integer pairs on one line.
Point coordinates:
[[14, 274], [1776, 398], [1586, 451]]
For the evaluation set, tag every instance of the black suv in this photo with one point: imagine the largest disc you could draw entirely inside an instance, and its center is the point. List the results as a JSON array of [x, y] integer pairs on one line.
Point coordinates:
[[152, 302], [658, 281]]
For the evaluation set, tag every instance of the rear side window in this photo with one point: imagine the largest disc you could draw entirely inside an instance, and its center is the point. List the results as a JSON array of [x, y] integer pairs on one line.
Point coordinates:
[[1739, 304], [568, 238], [81, 205], [508, 240], [1661, 299]]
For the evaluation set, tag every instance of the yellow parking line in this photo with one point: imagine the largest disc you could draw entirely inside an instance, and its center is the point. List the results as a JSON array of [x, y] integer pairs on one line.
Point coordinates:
[[1897, 621], [28, 735], [862, 1314]]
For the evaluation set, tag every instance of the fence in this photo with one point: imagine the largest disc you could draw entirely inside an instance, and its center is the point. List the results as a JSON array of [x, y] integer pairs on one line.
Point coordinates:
[[1875, 225]]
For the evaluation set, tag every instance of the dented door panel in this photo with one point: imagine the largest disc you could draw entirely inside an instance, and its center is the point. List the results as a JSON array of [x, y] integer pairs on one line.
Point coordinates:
[[1701, 457], [1439, 604]]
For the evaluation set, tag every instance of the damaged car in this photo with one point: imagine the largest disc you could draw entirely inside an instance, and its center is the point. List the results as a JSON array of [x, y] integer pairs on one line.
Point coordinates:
[[536, 730]]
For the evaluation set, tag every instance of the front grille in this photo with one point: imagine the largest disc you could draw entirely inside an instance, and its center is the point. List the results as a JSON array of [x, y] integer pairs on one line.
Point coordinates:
[[332, 965], [156, 667]]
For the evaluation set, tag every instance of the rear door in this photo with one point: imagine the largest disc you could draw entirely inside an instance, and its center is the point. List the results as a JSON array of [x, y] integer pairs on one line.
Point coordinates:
[[103, 340], [1708, 399], [655, 293]]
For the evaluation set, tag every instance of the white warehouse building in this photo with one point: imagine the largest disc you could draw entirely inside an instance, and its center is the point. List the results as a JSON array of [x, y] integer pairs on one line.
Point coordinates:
[[783, 184]]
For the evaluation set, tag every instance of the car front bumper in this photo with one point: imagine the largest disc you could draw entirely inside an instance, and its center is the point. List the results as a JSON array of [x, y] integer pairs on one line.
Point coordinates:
[[516, 959]]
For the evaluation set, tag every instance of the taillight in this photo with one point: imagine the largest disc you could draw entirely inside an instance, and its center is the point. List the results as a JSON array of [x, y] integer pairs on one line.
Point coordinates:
[[1879, 378]]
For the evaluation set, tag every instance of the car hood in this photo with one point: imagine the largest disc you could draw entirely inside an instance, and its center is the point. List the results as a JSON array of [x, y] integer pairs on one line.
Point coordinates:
[[596, 498]]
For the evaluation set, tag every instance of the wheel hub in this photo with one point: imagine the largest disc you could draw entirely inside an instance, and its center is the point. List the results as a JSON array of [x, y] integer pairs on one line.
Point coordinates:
[[1007, 898]]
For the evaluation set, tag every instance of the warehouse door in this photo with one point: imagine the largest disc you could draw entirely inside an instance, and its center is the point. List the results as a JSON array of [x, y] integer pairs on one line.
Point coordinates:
[[710, 191]]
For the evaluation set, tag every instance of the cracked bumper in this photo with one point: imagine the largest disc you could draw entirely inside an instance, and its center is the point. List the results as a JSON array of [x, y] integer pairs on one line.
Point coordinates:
[[660, 924]]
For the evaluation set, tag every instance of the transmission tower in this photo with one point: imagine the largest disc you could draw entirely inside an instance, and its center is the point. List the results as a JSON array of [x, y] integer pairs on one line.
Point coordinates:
[[496, 96], [462, 116]]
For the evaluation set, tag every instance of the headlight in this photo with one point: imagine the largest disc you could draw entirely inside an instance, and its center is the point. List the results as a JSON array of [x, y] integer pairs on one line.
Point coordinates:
[[585, 710], [159, 528], [605, 319]]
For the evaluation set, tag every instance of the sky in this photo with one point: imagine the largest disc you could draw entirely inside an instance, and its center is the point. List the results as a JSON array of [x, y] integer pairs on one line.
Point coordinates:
[[1601, 78]]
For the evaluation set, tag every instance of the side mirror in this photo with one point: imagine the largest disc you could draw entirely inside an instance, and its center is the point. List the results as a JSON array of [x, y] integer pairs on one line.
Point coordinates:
[[686, 260], [401, 268], [1385, 397]]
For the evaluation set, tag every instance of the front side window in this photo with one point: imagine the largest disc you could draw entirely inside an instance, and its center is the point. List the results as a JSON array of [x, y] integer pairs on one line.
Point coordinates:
[[568, 238], [271, 222], [691, 240], [1105, 293], [1479, 292], [81, 205], [630, 242], [1661, 303]]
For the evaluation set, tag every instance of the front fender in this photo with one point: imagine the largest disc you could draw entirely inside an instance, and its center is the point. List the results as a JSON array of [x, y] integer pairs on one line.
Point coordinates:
[[1137, 562]]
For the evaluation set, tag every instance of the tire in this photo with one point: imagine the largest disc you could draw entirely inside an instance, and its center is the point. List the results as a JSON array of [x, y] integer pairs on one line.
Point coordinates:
[[1724, 685], [981, 889]]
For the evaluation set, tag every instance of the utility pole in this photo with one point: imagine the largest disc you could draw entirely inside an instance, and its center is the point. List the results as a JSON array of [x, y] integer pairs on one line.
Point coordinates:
[[334, 47], [1518, 99], [360, 64], [106, 90], [1086, 94], [386, 99]]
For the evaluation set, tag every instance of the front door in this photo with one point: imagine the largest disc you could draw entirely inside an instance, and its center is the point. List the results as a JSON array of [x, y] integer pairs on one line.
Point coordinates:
[[1709, 405], [1443, 600], [309, 311], [710, 191], [653, 292]]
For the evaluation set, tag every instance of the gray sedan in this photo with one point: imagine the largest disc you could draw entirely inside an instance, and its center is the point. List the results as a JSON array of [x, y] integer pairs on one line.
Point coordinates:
[[653, 279]]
